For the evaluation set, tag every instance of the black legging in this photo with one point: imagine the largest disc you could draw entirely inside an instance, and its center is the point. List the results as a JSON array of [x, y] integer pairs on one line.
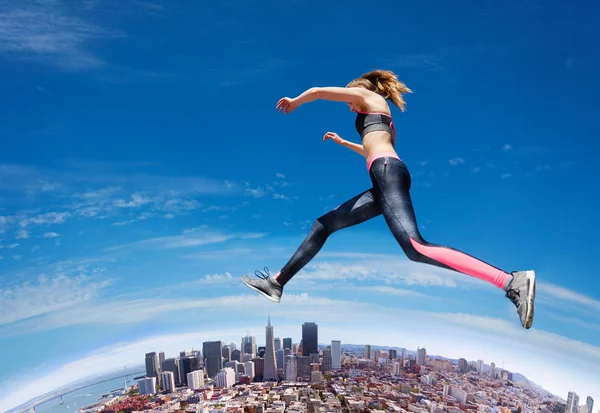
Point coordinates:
[[388, 196]]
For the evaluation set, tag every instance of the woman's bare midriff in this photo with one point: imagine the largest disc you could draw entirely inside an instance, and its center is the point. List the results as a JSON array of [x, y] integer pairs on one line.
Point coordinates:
[[375, 142]]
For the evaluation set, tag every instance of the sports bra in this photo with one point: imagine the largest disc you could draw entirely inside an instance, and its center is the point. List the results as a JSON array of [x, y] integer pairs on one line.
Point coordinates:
[[373, 121]]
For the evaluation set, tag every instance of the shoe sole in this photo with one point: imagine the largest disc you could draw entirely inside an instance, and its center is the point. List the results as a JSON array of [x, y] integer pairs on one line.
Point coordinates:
[[530, 299], [274, 299]]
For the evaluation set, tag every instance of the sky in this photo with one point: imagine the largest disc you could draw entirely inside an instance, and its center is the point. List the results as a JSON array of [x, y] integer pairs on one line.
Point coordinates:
[[144, 169]]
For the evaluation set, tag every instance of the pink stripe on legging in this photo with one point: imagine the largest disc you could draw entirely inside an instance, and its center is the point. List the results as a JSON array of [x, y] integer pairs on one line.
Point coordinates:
[[380, 155], [463, 263]]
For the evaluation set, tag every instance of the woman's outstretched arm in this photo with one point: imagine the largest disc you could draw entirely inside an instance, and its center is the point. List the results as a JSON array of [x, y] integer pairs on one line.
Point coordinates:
[[338, 94]]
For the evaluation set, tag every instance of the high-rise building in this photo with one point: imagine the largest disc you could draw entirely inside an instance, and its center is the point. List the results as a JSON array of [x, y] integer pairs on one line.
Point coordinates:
[[236, 355], [493, 370], [572, 403], [152, 366], [291, 367], [327, 360], [463, 367], [403, 354], [480, 365], [213, 357], [336, 354], [270, 361], [195, 379], [310, 338], [226, 353], [172, 365], [232, 346], [277, 342], [421, 356], [249, 345], [368, 351], [161, 358], [147, 385], [287, 343], [249, 368], [279, 356], [393, 354], [168, 381], [589, 404], [187, 365], [225, 378], [259, 367], [304, 368]]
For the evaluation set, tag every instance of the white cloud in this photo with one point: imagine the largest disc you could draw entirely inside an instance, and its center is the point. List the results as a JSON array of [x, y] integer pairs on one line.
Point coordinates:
[[137, 200], [46, 219], [15, 245], [507, 147], [22, 234], [507, 175], [456, 161], [568, 295], [216, 278], [17, 257], [51, 235], [255, 192], [280, 196], [476, 169], [45, 296], [280, 175]]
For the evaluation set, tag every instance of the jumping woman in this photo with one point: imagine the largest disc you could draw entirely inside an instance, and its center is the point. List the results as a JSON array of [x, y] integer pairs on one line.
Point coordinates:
[[389, 196]]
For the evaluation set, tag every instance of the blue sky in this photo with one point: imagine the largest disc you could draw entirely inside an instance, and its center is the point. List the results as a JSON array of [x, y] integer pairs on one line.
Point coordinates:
[[144, 168]]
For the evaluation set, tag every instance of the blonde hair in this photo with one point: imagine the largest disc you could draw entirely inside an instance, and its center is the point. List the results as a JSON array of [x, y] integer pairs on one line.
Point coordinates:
[[385, 83]]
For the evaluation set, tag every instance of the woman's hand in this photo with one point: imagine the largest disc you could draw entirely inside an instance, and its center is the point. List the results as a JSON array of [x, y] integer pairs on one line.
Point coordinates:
[[334, 137], [287, 105]]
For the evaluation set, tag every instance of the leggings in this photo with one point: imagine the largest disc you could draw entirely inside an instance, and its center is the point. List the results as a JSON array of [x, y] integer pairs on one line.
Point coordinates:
[[389, 196]]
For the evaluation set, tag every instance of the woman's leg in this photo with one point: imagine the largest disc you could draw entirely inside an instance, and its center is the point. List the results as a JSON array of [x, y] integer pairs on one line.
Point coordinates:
[[392, 181], [352, 212]]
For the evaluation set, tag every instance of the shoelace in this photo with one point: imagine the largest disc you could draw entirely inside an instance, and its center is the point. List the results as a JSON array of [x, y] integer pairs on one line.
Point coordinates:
[[259, 273]]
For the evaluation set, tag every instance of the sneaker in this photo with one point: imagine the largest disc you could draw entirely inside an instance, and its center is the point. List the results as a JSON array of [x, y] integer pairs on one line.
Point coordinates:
[[521, 291], [264, 285]]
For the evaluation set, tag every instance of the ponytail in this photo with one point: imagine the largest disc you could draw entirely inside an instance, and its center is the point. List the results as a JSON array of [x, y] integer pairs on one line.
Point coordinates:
[[385, 83]]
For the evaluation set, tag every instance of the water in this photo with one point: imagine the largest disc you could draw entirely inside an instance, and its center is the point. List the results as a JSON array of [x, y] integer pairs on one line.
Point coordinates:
[[85, 396]]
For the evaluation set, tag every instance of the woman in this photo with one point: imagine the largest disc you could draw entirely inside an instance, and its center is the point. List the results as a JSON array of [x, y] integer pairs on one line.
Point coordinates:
[[389, 196]]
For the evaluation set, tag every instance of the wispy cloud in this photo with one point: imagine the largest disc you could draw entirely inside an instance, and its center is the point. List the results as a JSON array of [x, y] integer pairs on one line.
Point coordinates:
[[506, 175], [51, 235], [49, 33], [46, 295], [507, 147], [565, 294], [456, 161], [22, 234]]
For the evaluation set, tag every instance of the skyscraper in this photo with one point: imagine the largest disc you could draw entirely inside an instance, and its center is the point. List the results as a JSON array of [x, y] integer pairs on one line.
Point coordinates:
[[270, 372], [152, 366], [172, 365], [213, 357], [310, 339], [493, 370], [287, 343], [572, 402], [249, 345], [462, 365], [327, 360], [421, 356], [168, 380], [336, 354], [226, 353], [393, 354], [368, 351], [277, 342], [187, 365], [589, 404], [480, 365]]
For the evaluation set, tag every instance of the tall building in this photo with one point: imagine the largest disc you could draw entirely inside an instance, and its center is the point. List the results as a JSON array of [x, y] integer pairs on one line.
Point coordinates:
[[187, 365], [147, 385], [336, 354], [152, 366], [480, 365], [287, 343], [270, 361], [226, 353], [291, 367], [195, 379], [310, 339], [393, 354], [279, 357], [277, 342], [327, 360], [463, 367], [168, 381], [368, 351], [225, 378], [249, 345], [572, 403], [259, 366], [589, 404], [421, 356], [236, 355], [172, 365], [249, 368], [213, 357], [493, 370]]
